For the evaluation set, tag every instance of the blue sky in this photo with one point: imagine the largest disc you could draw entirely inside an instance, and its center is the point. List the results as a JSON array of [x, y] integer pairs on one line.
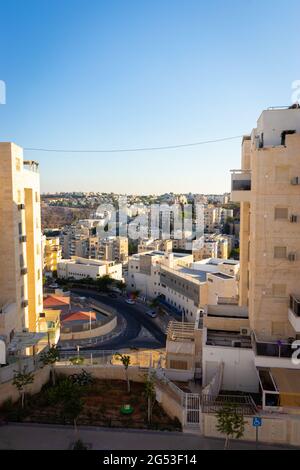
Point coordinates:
[[111, 74]]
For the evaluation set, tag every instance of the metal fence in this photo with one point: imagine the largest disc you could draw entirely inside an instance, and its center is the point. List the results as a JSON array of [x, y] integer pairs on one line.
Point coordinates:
[[31, 363], [242, 404]]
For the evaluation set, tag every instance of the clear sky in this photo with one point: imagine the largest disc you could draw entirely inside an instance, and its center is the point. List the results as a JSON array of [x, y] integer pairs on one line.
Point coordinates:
[[92, 74]]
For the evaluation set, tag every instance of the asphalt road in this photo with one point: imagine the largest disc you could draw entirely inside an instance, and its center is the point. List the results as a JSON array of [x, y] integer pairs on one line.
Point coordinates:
[[43, 437], [135, 318]]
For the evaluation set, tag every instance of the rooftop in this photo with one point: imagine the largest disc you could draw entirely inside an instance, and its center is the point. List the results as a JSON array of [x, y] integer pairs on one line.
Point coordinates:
[[229, 339], [228, 311]]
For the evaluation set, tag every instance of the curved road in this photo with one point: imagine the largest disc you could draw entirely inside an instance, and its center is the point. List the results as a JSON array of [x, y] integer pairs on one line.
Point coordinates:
[[135, 318]]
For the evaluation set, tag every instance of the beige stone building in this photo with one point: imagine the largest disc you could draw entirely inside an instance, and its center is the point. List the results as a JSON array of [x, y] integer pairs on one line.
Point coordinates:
[[21, 295], [52, 253], [268, 187]]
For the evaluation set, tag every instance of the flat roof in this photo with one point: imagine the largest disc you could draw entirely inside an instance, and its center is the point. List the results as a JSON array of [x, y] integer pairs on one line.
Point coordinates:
[[229, 339]]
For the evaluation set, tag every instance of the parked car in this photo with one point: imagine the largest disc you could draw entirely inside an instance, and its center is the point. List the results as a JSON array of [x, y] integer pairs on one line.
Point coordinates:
[[113, 295], [54, 286], [151, 313], [130, 301]]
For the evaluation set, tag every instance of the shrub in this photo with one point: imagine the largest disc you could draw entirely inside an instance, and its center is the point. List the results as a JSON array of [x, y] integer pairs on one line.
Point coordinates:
[[79, 445]]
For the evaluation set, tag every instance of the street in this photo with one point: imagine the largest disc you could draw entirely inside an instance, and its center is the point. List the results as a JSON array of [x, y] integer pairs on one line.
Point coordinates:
[[135, 318], [50, 437]]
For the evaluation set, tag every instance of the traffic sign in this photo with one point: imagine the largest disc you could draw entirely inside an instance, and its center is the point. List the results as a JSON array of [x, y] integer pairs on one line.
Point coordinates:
[[257, 422]]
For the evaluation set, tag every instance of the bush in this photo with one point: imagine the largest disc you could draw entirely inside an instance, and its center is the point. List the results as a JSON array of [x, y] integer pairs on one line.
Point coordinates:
[[7, 406], [82, 379], [79, 445], [77, 361]]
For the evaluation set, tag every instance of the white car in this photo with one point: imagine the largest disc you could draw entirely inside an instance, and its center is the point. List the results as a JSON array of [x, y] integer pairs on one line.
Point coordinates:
[[130, 301], [151, 313]]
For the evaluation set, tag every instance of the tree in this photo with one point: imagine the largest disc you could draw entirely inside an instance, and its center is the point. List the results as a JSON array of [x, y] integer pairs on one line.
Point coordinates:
[[104, 282], [125, 359], [21, 380], [72, 408], [230, 423], [121, 285], [149, 392], [50, 357]]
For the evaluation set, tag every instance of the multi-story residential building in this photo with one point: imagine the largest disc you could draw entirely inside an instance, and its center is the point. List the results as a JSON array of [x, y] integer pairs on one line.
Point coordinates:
[[21, 294], [52, 253], [113, 249], [268, 188], [148, 244], [180, 283], [80, 268]]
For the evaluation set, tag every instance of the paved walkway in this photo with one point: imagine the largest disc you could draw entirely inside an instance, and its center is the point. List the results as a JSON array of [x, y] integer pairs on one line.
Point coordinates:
[[47, 437]]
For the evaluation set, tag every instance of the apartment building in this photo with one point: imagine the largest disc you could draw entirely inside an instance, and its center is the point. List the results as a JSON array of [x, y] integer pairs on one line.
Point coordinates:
[[268, 188], [80, 268], [21, 295], [112, 249], [149, 244], [179, 282], [52, 253]]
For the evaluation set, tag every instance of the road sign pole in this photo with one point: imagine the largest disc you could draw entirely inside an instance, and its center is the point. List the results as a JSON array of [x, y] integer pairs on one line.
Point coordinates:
[[256, 437]]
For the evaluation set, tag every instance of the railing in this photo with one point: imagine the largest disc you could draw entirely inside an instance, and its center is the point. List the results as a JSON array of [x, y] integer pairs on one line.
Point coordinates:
[[143, 359], [243, 404], [295, 305], [31, 363], [280, 349], [240, 180]]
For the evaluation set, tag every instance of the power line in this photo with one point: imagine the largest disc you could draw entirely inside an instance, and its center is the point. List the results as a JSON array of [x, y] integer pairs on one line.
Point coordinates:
[[142, 149]]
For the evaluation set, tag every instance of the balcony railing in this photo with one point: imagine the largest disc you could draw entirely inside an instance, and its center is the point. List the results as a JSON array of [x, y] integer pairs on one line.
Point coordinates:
[[240, 180], [295, 305], [279, 349]]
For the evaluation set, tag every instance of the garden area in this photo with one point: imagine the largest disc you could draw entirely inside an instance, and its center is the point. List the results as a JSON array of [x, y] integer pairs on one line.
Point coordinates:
[[81, 400]]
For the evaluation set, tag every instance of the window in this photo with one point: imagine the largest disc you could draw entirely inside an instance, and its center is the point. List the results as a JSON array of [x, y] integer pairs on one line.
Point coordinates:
[[20, 228], [21, 261], [280, 252], [281, 213]]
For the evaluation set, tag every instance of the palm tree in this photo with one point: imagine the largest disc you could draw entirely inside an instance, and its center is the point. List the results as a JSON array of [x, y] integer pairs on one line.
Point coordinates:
[[125, 359]]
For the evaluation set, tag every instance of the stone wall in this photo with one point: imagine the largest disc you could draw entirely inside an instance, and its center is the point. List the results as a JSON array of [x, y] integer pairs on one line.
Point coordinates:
[[8, 390]]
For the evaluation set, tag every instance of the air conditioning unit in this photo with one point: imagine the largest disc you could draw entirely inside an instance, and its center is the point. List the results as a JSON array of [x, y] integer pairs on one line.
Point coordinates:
[[24, 271], [24, 303], [21, 207], [22, 238], [295, 180], [245, 332], [292, 256], [294, 218]]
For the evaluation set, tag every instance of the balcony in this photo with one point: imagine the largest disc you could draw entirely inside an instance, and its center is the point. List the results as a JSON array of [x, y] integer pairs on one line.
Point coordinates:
[[31, 165], [24, 303], [240, 185], [273, 353], [294, 312]]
